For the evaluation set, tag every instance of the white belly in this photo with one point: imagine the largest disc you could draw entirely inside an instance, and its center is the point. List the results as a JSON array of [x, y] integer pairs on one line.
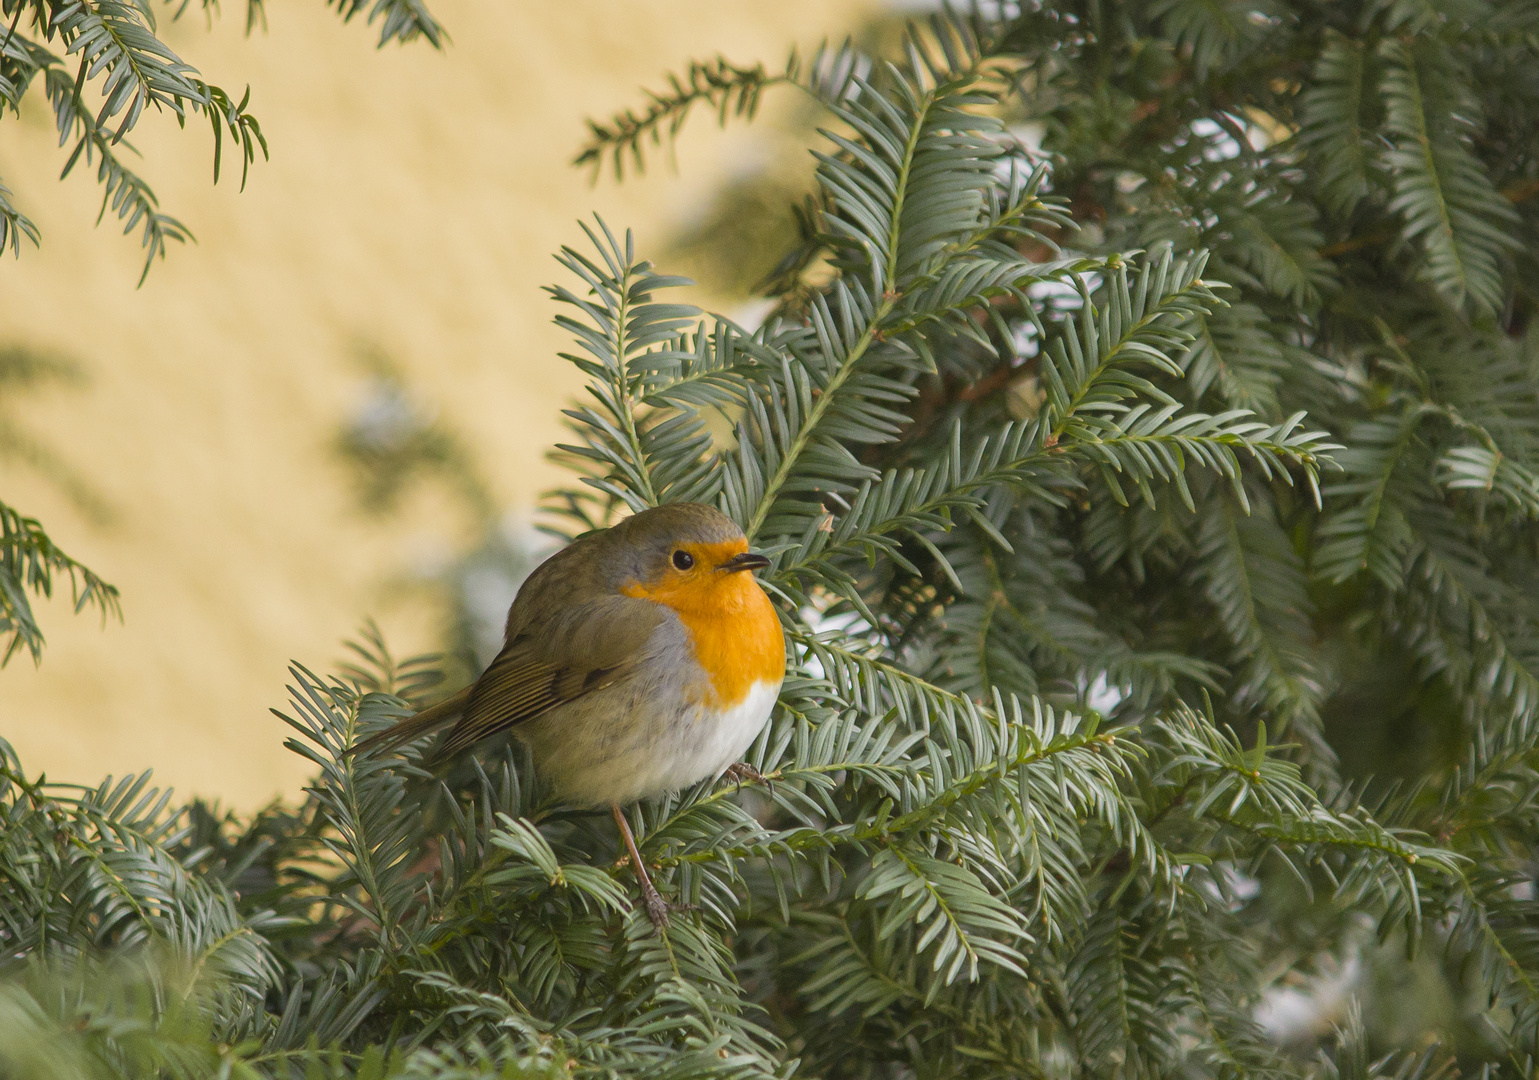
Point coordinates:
[[594, 757], [719, 741]]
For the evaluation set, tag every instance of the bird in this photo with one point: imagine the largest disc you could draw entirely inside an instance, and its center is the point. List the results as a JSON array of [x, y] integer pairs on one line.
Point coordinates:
[[637, 660]]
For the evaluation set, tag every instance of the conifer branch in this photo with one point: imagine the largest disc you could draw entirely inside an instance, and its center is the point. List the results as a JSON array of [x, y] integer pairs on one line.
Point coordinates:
[[29, 560]]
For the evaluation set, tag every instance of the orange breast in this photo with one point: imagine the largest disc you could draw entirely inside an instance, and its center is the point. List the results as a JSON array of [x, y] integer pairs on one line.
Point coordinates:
[[735, 630]]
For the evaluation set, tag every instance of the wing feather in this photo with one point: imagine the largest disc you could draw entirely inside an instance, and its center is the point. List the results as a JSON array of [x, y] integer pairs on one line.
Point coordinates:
[[585, 648]]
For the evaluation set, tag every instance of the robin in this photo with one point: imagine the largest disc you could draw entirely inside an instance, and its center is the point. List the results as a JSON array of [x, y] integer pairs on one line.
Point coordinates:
[[637, 661]]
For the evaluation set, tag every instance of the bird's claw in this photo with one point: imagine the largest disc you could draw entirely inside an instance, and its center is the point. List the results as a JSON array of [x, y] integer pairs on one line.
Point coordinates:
[[659, 908], [741, 772]]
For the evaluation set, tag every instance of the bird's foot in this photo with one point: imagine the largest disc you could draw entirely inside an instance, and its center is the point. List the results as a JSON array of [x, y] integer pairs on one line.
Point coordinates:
[[743, 773], [659, 908]]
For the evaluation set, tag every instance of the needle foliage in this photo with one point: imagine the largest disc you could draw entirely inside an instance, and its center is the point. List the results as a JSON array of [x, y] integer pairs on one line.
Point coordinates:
[[100, 65], [1143, 437]]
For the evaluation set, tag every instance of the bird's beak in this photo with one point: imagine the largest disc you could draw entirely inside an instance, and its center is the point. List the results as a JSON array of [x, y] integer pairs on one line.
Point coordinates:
[[748, 560]]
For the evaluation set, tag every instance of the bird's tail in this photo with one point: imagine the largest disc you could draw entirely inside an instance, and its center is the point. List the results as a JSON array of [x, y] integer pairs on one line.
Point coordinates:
[[412, 727]]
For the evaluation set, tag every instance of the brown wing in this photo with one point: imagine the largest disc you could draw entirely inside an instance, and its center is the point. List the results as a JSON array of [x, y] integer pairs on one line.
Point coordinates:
[[585, 648], [413, 727]]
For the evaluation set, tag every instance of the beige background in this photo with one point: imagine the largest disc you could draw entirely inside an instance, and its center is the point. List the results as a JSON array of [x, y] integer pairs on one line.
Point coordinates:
[[412, 203]]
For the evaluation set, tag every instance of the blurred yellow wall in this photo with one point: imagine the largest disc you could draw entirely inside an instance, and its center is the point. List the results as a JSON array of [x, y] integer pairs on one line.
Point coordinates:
[[412, 203]]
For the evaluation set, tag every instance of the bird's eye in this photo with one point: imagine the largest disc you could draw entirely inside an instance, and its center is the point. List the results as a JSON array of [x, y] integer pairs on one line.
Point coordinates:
[[683, 560]]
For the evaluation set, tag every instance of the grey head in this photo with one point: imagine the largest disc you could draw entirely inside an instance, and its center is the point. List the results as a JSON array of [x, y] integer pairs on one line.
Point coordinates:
[[648, 546], [643, 549]]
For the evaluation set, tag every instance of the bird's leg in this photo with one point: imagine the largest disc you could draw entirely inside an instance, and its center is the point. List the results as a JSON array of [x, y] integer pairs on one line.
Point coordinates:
[[657, 907]]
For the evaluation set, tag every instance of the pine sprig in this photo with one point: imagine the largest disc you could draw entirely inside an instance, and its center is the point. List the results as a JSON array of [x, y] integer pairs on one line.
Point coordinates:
[[29, 560], [113, 49], [730, 90], [1448, 202], [399, 20], [14, 225], [123, 191]]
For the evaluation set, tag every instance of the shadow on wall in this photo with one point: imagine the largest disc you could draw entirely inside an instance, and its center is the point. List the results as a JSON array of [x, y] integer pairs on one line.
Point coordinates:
[[394, 444]]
